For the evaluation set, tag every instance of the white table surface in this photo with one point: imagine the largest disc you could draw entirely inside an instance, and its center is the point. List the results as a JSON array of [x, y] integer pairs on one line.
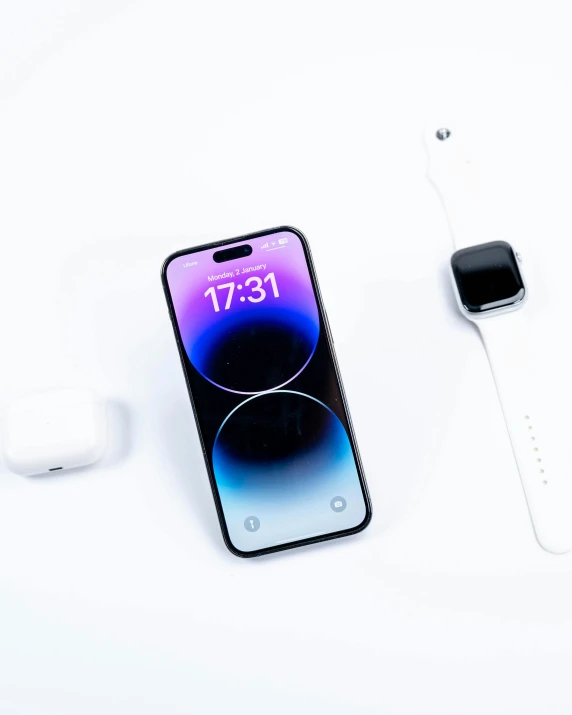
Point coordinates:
[[132, 129]]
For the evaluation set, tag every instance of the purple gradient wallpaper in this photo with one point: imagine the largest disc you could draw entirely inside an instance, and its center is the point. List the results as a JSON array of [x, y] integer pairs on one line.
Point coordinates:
[[272, 326]]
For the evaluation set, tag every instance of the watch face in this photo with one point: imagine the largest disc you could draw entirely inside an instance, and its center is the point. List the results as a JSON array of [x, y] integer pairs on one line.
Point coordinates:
[[487, 276]]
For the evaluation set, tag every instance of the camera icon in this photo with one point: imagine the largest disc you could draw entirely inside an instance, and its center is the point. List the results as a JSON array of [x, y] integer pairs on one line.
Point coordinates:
[[338, 504]]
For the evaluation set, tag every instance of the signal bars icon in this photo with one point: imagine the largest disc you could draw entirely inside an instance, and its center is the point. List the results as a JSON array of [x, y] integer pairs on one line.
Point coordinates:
[[265, 246]]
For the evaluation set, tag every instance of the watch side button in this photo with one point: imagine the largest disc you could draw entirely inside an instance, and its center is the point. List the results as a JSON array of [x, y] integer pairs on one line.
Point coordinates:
[[518, 257]]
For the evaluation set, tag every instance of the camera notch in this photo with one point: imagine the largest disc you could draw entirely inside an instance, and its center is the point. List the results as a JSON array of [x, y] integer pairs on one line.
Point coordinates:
[[230, 254]]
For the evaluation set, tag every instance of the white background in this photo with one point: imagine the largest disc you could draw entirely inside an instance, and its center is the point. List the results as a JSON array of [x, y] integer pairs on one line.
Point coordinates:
[[132, 129]]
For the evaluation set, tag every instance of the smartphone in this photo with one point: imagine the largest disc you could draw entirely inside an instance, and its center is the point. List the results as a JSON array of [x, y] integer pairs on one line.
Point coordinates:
[[259, 362]]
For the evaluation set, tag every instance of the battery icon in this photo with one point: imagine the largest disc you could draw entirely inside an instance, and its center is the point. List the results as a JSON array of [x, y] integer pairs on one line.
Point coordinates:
[[282, 240]]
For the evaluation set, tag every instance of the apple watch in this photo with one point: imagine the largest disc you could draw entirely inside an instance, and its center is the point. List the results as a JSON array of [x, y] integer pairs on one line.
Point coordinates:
[[491, 292]]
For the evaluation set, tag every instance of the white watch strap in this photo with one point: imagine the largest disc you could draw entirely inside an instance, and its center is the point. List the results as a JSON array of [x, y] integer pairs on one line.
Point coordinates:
[[546, 482], [456, 178], [546, 477]]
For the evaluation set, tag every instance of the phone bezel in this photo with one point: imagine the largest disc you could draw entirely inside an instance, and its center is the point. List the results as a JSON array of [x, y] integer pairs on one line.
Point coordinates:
[[324, 324]]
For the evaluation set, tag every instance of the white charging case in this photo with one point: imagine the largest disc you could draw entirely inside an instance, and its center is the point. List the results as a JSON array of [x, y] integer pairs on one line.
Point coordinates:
[[55, 430]]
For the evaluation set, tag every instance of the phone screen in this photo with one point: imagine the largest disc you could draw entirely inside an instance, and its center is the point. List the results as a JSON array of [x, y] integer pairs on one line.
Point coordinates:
[[267, 397]]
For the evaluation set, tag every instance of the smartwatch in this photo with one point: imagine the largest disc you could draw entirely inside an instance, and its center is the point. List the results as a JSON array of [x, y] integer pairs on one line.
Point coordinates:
[[491, 292]]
